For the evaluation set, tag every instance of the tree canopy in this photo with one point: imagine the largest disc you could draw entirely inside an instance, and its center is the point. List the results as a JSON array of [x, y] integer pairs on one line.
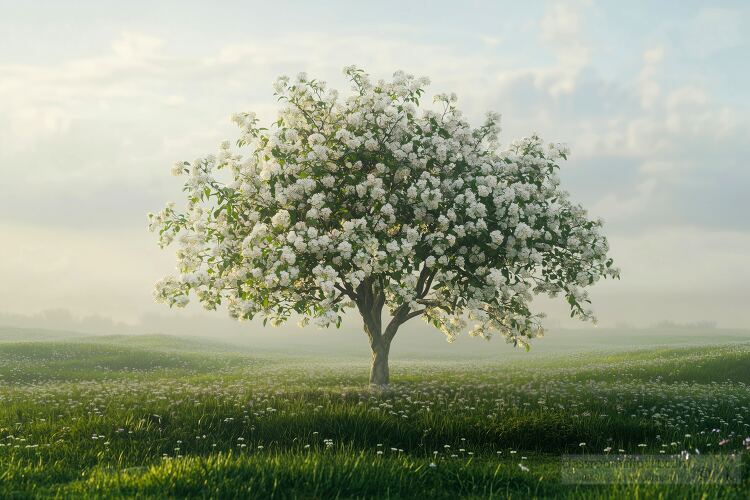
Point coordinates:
[[373, 200]]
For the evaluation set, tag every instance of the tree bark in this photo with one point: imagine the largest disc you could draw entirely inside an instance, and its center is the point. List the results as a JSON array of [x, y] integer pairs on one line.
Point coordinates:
[[379, 372], [370, 298], [370, 302]]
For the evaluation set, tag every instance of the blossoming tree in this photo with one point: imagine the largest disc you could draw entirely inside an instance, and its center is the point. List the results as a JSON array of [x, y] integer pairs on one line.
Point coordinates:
[[370, 202]]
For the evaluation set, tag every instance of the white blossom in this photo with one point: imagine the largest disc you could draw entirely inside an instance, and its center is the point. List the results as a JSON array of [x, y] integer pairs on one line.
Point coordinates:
[[280, 219], [346, 198]]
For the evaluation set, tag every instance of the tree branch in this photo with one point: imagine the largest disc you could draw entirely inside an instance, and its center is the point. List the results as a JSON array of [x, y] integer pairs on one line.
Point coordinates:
[[346, 291], [422, 277], [434, 303], [428, 285], [414, 314]]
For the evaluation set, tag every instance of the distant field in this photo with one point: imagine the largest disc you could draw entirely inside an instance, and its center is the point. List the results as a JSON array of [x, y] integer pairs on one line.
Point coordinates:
[[158, 416]]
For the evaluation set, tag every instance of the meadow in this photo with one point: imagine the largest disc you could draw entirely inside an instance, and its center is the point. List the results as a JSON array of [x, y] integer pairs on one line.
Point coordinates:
[[159, 416]]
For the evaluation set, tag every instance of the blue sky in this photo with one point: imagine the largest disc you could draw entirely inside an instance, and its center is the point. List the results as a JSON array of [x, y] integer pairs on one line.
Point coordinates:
[[98, 99]]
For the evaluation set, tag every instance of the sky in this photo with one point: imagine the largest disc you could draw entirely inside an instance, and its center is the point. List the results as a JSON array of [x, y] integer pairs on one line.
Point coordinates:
[[98, 99]]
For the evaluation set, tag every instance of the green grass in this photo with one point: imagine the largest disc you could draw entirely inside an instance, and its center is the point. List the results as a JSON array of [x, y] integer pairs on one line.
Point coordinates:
[[152, 417]]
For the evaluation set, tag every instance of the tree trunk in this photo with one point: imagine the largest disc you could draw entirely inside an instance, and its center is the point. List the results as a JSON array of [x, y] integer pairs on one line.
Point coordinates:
[[370, 302], [379, 375]]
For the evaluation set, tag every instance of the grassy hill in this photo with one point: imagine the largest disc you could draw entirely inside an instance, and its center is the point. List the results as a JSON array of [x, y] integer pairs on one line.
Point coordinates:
[[158, 416]]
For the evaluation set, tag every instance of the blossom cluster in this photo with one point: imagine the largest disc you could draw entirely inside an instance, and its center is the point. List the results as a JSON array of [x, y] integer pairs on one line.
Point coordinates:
[[375, 194]]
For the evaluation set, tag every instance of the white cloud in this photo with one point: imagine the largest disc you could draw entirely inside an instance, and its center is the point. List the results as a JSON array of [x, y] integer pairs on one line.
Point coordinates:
[[647, 80], [491, 41], [613, 207], [562, 30], [120, 118], [136, 46]]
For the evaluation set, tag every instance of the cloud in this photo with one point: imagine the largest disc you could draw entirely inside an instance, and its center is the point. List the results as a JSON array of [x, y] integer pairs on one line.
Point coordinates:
[[137, 47], [561, 30], [88, 141], [712, 29], [650, 89], [613, 207], [491, 41]]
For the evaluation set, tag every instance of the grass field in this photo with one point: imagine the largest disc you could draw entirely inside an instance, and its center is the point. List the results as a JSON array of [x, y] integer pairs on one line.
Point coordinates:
[[160, 416]]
